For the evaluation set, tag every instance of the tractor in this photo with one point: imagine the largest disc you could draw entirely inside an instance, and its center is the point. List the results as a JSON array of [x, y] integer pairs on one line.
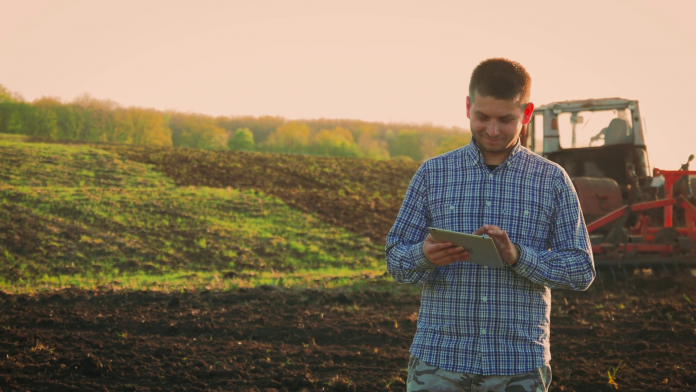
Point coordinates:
[[639, 220]]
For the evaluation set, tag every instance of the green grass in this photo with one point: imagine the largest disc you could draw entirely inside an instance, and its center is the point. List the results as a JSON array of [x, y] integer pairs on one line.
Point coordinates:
[[75, 216], [51, 165], [197, 281]]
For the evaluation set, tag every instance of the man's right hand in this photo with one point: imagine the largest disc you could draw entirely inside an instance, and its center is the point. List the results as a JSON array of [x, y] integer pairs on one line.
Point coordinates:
[[443, 253]]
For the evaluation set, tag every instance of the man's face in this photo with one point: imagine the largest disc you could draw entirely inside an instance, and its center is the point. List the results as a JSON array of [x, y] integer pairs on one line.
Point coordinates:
[[496, 123]]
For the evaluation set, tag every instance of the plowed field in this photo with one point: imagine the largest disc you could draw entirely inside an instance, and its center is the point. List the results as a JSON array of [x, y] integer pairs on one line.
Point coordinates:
[[269, 339]]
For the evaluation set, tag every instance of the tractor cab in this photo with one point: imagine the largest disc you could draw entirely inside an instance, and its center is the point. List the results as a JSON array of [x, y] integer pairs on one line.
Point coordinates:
[[598, 138]]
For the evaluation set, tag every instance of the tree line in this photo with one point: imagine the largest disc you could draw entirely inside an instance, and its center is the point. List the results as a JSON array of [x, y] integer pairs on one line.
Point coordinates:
[[90, 119]]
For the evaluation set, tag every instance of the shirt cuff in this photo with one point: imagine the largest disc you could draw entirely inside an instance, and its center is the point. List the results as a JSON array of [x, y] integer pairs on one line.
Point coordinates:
[[419, 260], [526, 265]]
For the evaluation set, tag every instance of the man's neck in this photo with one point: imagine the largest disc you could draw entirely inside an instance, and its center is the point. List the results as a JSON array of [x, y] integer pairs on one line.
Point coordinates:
[[496, 158]]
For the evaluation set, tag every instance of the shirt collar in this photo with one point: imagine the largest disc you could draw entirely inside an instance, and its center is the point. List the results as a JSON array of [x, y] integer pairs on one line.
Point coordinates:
[[475, 157]]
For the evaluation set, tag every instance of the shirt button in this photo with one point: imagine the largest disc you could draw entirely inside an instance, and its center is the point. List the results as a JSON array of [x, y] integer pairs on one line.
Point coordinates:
[[483, 331], [484, 298], [451, 207], [485, 267], [488, 204], [490, 176]]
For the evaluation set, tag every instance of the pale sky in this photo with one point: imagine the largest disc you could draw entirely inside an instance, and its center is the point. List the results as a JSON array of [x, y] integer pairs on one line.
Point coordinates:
[[375, 60]]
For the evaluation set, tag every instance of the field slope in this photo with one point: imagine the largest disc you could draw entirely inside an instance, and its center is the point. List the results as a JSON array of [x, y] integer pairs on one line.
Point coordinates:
[[88, 217], [360, 195]]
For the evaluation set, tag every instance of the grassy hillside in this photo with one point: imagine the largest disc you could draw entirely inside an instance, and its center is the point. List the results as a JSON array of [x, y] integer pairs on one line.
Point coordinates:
[[360, 195], [76, 214]]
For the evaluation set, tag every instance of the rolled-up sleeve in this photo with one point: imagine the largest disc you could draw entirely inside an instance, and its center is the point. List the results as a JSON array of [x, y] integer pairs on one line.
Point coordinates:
[[568, 264], [406, 261]]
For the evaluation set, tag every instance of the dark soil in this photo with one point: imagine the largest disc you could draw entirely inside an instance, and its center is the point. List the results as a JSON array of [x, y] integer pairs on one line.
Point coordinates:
[[276, 339]]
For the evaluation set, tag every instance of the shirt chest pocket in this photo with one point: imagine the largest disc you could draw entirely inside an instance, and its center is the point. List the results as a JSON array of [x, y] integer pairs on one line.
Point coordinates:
[[526, 220], [455, 216]]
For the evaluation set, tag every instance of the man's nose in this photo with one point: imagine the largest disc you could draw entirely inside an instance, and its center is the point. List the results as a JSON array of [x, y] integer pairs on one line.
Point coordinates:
[[492, 128]]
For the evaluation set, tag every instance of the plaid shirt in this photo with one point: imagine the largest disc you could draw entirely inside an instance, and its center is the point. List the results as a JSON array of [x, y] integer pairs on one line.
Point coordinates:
[[480, 320]]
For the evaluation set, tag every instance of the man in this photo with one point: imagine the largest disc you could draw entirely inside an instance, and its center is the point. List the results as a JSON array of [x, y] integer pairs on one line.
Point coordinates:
[[481, 328], [616, 132]]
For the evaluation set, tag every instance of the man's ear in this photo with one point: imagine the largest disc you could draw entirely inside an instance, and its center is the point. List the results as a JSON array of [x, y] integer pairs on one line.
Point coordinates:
[[468, 107], [528, 111]]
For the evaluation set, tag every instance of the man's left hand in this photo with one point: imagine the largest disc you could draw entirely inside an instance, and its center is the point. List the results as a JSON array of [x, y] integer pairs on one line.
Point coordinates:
[[506, 249]]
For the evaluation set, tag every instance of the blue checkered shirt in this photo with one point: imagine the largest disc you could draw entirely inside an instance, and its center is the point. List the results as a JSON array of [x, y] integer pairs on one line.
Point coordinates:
[[484, 320]]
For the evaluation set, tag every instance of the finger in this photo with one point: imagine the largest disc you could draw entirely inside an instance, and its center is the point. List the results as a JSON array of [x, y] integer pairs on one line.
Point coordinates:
[[444, 253], [432, 250], [501, 240], [491, 227], [434, 247], [461, 256], [437, 246], [495, 231], [444, 245], [505, 235], [454, 253], [502, 235], [429, 244], [481, 230], [439, 253]]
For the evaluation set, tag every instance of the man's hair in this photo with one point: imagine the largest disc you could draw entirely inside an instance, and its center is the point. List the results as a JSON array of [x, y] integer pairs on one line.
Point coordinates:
[[500, 78]]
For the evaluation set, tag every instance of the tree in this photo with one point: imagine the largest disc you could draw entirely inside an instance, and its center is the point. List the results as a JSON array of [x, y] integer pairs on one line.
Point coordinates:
[[335, 142], [260, 127], [5, 95], [361, 130], [429, 143], [292, 137], [377, 150], [44, 119], [43, 122], [196, 131], [243, 140], [142, 126], [14, 116], [407, 143], [70, 122], [98, 118], [453, 142], [9, 96]]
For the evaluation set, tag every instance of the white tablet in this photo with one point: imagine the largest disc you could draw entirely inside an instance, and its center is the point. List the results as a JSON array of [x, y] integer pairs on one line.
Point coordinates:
[[481, 249]]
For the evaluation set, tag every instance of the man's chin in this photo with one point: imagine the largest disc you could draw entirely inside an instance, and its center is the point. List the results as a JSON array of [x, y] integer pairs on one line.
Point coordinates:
[[495, 148]]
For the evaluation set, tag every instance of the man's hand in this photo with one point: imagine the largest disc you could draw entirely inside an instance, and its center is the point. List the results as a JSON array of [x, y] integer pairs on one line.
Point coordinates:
[[443, 253], [506, 249]]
